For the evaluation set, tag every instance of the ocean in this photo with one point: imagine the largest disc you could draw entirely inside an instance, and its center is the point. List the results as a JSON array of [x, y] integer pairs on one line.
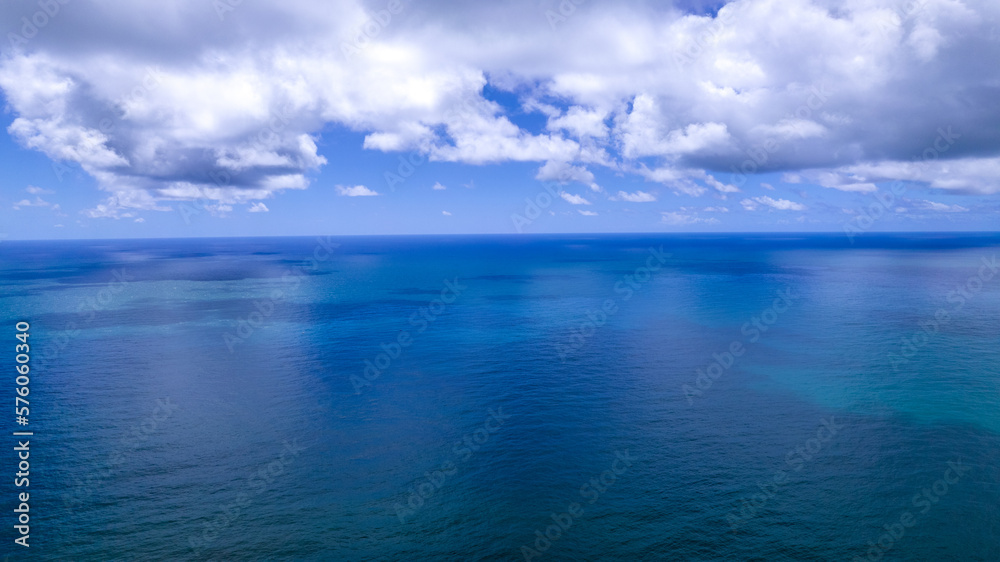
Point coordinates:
[[564, 397]]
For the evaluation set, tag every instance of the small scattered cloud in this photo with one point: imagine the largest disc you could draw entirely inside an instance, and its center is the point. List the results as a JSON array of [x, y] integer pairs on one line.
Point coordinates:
[[716, 209], [438, 187], [866, 187], [38, 202], [258, 208], [124, 204], [637, 197], [586, 213], [849, 182], [140, 219], [939, 207], [573, 199], [34, 190], [446, 213], [721, 187], [219, 210], [355, 191], [778, 204], [767, 186], [674, 218]]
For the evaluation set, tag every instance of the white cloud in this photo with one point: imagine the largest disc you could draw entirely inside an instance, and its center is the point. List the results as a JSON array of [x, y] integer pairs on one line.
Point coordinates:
[[843, 182], [38, 190], [219, 210], [790, 129], [581, 123], [187, 111], [719, 186], [586, 213], [38, 202], [779, 204], [355, 191], [716, 209], [674, 218], [637, 197], [446, 213], [258, 207], [767, 186], [438, 187], [866, 187], [642, 133], [962, 175], [573, 199], [563, 172], [939, 207], [681, 181], [123, 204]]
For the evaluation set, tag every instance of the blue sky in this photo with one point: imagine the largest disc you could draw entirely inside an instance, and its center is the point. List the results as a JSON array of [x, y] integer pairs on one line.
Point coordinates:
[[245, 120]]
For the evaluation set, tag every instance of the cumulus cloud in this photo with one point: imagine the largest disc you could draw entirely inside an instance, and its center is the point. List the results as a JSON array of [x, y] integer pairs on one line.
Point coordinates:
[[446, 213], [587, 213], [163, 102], [643, 132], [355, 191], [258, 208], [438, 187], [580, 122]]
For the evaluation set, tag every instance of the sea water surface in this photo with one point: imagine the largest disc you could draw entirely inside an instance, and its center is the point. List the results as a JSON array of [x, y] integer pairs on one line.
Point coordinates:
[[640, 397]]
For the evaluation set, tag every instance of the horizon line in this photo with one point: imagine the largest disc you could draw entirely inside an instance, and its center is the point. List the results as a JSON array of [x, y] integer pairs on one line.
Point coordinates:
[[526, 235]]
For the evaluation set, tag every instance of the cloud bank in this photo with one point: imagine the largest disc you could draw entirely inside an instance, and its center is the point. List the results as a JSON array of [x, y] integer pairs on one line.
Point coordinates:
[[167, 102]]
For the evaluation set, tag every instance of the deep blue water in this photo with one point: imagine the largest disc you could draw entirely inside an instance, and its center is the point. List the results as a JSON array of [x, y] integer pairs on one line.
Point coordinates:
[[532, 365]]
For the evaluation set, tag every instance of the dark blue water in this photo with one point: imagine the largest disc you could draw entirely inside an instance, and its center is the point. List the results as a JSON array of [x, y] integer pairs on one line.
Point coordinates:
[[632, 397]]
